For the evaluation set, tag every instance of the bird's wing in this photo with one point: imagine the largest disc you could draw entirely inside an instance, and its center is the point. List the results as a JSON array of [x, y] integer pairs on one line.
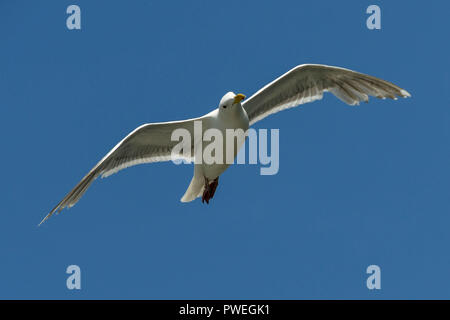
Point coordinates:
[[148, 143], [307, 83]]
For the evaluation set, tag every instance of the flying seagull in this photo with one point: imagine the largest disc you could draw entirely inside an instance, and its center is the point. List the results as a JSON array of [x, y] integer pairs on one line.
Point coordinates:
[[305, 83]]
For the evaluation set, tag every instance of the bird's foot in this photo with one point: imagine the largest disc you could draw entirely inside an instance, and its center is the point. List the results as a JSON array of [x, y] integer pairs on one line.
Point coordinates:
[[210, 189], [213, 187], [205, 196]]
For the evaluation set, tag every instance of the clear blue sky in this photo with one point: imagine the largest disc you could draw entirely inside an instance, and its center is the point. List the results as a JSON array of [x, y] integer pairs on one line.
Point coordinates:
[[356, 186]]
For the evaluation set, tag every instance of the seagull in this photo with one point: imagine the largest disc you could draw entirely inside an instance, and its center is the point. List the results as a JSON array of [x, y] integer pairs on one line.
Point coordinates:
[[152, 142]]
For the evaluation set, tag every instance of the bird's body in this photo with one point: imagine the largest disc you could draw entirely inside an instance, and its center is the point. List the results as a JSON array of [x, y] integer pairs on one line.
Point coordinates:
[[154, 141], [234, 119], [222, 119]]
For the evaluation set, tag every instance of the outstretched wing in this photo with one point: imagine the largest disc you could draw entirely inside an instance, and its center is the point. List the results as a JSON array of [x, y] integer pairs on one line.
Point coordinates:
[[148, 143], [308, 82]]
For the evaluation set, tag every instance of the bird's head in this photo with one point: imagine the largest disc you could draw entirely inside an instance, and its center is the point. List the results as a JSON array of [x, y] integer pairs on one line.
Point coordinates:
[[230, 100]]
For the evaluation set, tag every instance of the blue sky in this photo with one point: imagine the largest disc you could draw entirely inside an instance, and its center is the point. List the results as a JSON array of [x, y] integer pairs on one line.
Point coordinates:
[[356, 186]]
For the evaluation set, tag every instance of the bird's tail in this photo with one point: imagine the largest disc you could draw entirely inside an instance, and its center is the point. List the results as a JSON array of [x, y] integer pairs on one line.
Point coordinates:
[[195, 188]]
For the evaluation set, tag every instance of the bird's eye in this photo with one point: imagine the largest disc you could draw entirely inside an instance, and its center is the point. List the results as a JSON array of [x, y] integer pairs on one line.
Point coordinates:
[[224, 106]]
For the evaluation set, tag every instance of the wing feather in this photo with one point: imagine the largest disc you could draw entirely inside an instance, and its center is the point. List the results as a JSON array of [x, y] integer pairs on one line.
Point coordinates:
[[148, 143], [307, 83]]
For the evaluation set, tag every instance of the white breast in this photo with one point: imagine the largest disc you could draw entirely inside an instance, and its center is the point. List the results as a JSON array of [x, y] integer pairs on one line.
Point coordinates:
[[236, 119]]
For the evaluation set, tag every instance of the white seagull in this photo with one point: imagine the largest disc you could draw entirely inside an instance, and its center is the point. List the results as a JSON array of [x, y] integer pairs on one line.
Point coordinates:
[[305, 83]]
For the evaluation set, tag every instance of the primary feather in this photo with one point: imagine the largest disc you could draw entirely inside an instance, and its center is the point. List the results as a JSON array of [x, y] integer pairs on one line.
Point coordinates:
[[148, 143], [306, 83]]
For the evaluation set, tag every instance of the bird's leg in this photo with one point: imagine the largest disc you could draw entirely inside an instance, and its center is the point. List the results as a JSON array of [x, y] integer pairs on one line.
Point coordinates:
[[210, 189], [206, 193], [213, 186]]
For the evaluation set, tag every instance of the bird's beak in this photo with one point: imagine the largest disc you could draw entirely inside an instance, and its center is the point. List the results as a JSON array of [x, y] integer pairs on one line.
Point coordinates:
[[239, 97]]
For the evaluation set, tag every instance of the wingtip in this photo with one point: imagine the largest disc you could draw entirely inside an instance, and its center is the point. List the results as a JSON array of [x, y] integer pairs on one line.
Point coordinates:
[[42, 221], [405, 94], [45, 218]]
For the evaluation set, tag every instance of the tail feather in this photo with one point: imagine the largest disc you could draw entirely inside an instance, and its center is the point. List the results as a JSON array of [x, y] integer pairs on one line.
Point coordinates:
[[195, 189]]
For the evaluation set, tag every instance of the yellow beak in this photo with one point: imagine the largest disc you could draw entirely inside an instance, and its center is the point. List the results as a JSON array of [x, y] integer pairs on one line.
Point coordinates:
[[239, 97]]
